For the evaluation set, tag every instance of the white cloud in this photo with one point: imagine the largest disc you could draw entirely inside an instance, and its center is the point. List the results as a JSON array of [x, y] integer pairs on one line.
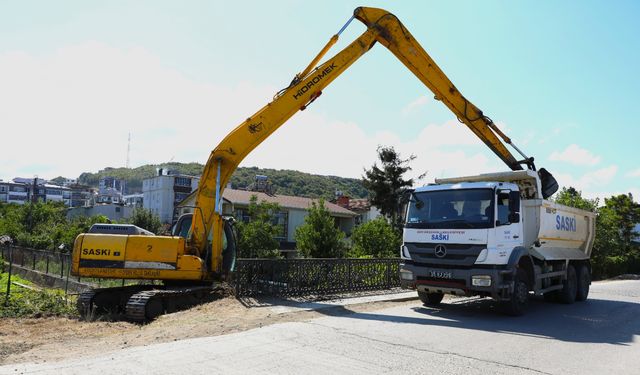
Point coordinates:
[[72, 111], [575, 155], [634, 173], [420, 102], [590, 182]]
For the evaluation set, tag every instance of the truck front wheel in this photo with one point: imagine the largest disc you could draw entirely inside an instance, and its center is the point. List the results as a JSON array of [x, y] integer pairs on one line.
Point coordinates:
[[584, 279], [569, 286], [430, 299], [519, 301]]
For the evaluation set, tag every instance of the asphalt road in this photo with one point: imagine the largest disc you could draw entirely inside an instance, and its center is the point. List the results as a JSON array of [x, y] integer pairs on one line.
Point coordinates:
[[466, 336]]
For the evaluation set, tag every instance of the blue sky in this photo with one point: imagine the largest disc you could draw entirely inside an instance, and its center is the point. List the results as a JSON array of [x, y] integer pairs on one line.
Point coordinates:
[[559, 77]]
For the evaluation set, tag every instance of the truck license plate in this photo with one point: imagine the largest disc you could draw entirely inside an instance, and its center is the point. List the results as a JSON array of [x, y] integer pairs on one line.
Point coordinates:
[[440, 274]]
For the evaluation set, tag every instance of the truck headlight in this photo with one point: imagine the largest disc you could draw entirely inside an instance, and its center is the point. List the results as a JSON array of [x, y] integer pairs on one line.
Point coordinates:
[[481, 280], [404, 252], [406, 275]]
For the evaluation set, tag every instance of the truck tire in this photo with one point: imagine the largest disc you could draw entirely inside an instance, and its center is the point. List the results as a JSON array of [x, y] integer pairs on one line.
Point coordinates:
[[584, 279], [519, 301], [430, 299], [569, 286]]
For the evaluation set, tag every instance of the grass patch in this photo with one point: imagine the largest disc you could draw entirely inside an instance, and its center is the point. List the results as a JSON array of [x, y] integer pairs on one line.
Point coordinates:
[[27, 303]]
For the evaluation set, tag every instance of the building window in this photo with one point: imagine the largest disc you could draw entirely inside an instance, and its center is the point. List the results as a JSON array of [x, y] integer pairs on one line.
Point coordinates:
[[242, 214], [280, 219], [3, 189], [183, 181]]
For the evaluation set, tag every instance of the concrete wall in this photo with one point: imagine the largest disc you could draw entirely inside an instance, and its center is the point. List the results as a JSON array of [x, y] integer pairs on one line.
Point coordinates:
[[296, 219], [112, 211], [50, 281]]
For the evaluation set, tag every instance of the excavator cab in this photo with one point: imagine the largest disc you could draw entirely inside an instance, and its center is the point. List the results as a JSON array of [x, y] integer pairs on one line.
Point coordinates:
[[182, 229]]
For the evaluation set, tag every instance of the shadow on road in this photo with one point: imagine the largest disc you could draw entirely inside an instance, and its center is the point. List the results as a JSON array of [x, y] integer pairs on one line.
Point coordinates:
[[592, 321]]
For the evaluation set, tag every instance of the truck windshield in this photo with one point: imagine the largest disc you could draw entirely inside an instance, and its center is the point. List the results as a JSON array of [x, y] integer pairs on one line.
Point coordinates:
[[451, 209]]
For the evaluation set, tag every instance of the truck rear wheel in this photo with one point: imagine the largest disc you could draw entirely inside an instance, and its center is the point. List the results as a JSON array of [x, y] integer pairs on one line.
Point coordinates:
[[584, 279], [569, 286], [430, 299], [519, 301]]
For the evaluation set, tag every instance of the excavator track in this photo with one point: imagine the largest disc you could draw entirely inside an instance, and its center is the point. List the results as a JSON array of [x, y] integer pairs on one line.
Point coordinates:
[[147, 305], [102, 301], [85, 303]]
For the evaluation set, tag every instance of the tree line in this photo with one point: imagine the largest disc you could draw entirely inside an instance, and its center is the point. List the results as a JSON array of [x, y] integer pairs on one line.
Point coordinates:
[[45, 226], [283, 182]]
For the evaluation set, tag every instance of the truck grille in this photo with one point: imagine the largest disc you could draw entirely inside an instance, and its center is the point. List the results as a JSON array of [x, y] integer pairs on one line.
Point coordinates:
[[456, 254]]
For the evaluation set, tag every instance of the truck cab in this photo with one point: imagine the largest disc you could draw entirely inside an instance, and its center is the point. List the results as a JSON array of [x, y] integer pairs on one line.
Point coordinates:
[[456, 234]]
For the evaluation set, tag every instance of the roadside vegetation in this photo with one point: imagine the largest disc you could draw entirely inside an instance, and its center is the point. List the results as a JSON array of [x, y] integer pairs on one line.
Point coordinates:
[[256, 237], [318, 237], [29, 301], [375, 239], [616, 249]]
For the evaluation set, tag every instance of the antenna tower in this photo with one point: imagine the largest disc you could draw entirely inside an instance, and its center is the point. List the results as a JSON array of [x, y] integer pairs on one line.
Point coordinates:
[[128, 151]]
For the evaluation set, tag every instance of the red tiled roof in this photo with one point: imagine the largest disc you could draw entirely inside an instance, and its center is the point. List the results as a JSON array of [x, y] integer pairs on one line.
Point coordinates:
[[285, 201]]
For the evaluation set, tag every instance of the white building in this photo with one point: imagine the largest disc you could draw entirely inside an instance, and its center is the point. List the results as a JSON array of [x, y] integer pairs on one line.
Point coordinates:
[[21, 190], [162, 192], [134, 200]]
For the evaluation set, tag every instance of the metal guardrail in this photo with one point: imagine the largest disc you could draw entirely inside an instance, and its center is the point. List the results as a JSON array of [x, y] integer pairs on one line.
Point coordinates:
[[312, 277]]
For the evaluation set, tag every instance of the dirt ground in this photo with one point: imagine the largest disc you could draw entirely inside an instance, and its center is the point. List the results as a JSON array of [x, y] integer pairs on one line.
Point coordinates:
[[54, 339]]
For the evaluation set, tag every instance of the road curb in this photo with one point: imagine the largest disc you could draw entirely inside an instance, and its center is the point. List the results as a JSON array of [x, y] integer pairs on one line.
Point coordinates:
[[287, 306]]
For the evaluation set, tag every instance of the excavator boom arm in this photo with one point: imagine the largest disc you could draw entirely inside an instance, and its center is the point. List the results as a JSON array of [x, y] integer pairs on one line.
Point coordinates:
[[382, 27]]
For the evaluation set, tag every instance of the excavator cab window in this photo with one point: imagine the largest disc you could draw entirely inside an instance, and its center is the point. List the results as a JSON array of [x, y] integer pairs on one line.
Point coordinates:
[[182, 226]]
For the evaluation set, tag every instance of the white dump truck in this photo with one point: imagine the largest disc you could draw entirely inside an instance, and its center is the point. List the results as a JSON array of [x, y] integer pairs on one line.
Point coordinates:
[[494, 235]]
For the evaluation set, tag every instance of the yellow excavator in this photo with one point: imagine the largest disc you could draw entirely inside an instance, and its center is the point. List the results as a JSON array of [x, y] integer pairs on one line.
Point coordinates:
[[202, 247]]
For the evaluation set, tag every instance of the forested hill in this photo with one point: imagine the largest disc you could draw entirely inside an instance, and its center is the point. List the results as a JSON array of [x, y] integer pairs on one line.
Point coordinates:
[[285, 182]]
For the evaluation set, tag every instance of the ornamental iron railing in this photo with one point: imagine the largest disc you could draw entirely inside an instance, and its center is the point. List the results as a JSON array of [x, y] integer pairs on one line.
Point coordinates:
[[314, 277]]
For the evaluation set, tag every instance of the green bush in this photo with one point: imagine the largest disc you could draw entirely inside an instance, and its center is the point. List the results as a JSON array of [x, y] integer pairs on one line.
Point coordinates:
[[146, 219], [318, 237], [375, 239], [256, 237]]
